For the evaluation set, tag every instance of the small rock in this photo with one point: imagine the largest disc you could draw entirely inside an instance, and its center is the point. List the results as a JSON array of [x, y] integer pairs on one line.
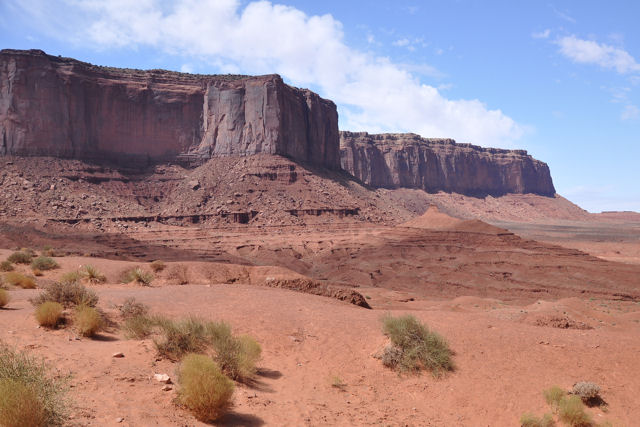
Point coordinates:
[[162, 378], [194, 185], [167, 388], [118, 354], [119, 419]]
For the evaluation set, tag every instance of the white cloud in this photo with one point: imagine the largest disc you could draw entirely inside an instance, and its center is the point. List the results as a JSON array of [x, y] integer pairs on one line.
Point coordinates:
[[373, 93], [630, 112], [591, 52], [542, 34], [401, 42]]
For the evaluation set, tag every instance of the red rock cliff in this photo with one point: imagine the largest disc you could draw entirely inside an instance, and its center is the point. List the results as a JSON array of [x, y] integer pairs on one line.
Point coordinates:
[[52, 106], [408, 160]]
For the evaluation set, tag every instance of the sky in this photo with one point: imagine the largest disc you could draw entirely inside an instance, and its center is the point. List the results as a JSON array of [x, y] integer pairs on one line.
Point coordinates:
[[559, 79]]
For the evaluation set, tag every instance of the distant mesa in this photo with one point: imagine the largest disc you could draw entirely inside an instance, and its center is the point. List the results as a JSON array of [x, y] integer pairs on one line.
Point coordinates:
[[433, 219], [61, 107]]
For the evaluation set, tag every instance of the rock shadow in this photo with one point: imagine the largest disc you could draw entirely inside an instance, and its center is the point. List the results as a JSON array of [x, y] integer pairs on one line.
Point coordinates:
[[235, 419]]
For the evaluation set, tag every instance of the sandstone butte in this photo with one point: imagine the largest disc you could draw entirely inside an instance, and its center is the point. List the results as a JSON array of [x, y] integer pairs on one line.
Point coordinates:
[[62, 107]]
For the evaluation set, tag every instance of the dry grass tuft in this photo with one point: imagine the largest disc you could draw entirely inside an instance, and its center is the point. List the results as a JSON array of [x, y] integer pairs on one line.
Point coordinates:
[[572, 411], [4, 297], [19, 280], [88, 321], [204, 390], [49, 314], [419, 347], [92, 274], [530, 420], [554, 396], [29, 394], [137, 275]]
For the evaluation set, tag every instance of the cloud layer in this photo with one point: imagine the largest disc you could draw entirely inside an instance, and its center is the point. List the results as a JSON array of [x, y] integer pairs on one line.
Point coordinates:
[[591, 52], [372, 92]]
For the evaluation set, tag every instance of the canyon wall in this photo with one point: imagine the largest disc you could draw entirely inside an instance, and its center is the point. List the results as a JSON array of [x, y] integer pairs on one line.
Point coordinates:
[[434, 164], [61, 107]]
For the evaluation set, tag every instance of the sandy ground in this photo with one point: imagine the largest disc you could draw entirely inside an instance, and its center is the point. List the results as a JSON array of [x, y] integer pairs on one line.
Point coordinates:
[[504, 359]]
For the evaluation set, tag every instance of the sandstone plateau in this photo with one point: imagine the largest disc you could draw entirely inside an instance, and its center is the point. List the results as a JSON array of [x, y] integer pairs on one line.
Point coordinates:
[[435, 164], [61, 107]]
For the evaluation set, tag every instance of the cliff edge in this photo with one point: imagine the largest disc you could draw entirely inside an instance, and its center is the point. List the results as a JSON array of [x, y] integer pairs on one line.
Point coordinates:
[[434, 164], [61, 107]]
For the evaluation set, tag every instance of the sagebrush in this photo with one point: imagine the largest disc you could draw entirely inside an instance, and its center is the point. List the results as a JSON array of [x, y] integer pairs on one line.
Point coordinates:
[[44, 263], [20, 257], [68, 294], [419, 348]]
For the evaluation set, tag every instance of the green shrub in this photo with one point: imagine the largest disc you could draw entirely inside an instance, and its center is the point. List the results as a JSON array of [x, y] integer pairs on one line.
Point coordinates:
[[6, 266], [49, 314], [20, 257], [181, 337], [4, 297], [29, 394], [47, 250], [204, 390], [137, 275], [68, 294], [554, 396], [44, 263], [157, 266], [419, 347], [530, 420], [572, 411], [91, 274], [237, 356], [20, 280], [88, 321]]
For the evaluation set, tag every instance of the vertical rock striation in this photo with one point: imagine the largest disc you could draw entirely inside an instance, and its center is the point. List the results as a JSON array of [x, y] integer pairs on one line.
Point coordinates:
[[408, 160], [61, 107]]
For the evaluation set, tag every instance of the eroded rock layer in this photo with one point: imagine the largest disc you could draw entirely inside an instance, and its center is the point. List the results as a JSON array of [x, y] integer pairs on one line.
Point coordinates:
[[61, 107], [434, 164]]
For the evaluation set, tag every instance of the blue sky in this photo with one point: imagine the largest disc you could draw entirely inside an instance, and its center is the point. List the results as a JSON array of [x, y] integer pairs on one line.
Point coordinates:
[[559, 79]]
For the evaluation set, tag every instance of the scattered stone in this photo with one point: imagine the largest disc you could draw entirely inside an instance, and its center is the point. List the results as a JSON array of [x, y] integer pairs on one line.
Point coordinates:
[[167, 388], [119, 419], [118, 354], [194, 184], [162, 378]]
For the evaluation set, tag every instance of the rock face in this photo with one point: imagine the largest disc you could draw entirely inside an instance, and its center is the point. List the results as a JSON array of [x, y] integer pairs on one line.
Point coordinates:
[[61, 107], [408, 160]]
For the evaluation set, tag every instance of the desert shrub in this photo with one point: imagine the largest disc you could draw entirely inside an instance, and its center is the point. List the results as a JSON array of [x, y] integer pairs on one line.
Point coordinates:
[[47, 250], [19, 405], [237, 356], [20, 257], [88, 320], [178, 274], [391, 356], [587, 391], [68, 294], [204, 390], [44, 263], [29, 394], [132, 308], [421, 348], [4, 297], [16, 279], [138, 327], [181, 337], [6, 266], [37, 272], [554, 396], [71, 277], [572, 411], [137, 275], [530, 420], [157, 266], [49, 314], [92, 274]]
